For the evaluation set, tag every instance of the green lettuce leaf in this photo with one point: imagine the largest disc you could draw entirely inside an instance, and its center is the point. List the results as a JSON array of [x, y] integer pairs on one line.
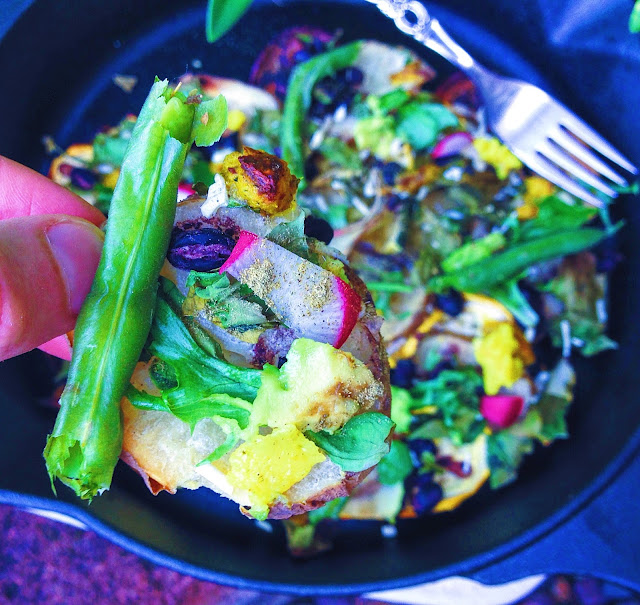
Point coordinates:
[[359, 444], [420, 123], [206, 386]]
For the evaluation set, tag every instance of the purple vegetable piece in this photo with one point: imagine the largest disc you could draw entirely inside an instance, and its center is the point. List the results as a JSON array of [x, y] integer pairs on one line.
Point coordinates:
[[199, 249], [273, 67]]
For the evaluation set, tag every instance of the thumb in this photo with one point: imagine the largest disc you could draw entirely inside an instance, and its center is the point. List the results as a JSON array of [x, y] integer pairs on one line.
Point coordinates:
[[47, 264]]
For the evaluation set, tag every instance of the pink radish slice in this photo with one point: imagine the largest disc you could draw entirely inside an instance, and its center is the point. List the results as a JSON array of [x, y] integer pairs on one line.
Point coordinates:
[[59, 346], [501, 411], [312, 301], [184, 191], [451, 145]]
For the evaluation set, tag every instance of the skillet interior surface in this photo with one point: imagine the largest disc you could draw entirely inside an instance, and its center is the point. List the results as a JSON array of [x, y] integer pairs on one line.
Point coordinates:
[[60, 85]]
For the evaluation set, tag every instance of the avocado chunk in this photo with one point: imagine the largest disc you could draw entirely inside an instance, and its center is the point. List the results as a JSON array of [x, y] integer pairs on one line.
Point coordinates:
[[318, 388]]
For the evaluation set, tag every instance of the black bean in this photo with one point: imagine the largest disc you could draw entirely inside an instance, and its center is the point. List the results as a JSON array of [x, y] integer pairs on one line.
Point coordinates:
[[199, 249], [451, 303], [421, 446], [318, 228], [403, 374], [82, 178]]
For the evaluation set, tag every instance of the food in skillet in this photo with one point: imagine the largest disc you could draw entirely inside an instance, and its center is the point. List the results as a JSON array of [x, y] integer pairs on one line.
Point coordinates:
[[257, 370], [485, 274]]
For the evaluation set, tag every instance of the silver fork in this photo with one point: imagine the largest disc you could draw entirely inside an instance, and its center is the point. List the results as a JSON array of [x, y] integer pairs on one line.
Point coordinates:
[[540, 131]]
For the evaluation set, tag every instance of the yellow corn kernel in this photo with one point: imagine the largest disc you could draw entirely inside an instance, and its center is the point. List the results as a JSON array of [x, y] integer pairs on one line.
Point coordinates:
[[235, 120], [497, 354], [111, 179], [497, 155]]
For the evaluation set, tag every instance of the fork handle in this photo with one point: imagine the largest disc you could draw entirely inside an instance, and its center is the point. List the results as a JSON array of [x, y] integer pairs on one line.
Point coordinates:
[[413, 19]]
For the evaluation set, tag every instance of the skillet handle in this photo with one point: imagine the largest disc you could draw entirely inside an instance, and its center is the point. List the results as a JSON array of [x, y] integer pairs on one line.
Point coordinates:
[[601, 540]]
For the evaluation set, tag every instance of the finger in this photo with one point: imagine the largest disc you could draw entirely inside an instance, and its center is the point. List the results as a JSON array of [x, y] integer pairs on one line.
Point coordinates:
[[47, 264], [24, 192]]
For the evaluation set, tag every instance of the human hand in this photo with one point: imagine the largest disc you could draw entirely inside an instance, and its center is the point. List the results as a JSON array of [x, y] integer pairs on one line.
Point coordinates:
[[50, 247]]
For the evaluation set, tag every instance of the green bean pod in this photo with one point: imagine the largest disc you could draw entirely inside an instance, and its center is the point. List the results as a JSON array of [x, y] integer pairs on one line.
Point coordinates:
[[298, 100], [499, 268], [115, 319]]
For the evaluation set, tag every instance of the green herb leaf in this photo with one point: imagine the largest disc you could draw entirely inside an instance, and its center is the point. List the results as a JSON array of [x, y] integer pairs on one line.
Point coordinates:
[[505, 453], [359, 444], [206, 386], [222, 15], [396, 466], [401, 402], [510, 295], [420, 123], [473, 251], [338, 152], [554, 214], [634, 18]]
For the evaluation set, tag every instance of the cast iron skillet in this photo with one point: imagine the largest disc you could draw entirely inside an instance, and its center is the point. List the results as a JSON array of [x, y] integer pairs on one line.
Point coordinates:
[[56, 65]]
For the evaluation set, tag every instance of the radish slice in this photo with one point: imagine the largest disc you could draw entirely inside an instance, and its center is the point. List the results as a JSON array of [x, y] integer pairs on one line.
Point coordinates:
[[59, 346], [452, 144], [501, 411], [312, 301]]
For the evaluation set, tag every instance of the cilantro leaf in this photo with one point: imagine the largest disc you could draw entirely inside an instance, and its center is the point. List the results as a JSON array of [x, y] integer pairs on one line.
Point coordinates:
[[359, 444]]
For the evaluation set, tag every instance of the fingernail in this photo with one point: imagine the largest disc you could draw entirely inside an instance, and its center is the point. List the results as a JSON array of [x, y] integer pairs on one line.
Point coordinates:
[[76, 246]]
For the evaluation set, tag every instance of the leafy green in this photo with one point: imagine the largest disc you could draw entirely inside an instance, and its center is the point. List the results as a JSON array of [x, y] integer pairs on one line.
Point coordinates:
[[455, 395], [544, 422], [582, 291], [375, 133], [396, 466], [634, 18], [290, 235], [222, 15], [554, 214], [338, 152], [232, 305], [206, 386], [473, 251], [330, 510], [401, 402], [510, 295], [420, 123], [505, 451], [109, 148], [359, 444]]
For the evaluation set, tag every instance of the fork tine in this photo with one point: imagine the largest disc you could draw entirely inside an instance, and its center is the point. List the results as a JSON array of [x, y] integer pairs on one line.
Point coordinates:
[[557, 156], [547, 170], [575, 125], [570, 144]]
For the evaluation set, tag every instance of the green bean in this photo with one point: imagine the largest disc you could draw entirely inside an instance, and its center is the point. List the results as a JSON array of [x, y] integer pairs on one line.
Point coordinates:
[[115, 319], [298, 99], [499, 268]]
